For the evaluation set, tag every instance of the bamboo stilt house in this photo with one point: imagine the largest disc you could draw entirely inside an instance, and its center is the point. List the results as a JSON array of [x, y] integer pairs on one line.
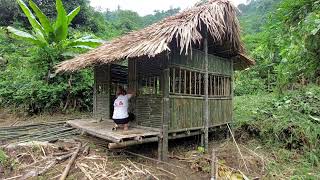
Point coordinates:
[[181, 68]]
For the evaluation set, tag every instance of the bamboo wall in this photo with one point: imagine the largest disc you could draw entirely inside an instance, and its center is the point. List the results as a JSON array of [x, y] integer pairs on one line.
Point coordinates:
[[188, 112], [196, 61], [101, 94], [187, 108], [149, 111], [148, 103], [107, 78]]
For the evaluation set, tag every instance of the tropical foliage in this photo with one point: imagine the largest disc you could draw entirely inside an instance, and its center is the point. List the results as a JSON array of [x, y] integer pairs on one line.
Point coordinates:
[[45, 34], [283, 38]]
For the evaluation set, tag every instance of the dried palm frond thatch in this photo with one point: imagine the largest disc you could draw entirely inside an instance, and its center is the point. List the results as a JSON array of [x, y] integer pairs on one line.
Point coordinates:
[[217, 16]]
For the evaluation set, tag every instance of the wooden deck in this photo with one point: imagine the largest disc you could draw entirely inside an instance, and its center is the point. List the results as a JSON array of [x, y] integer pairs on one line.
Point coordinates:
[[103, 130]]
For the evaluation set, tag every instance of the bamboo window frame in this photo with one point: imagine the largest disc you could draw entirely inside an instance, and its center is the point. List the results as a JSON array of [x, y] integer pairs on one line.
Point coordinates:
[[189, 82]]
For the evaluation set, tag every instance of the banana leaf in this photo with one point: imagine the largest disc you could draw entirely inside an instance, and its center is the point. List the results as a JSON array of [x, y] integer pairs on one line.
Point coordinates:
[[25, 36], [61, 24], [73, 14], [42, 18], [32, 19]]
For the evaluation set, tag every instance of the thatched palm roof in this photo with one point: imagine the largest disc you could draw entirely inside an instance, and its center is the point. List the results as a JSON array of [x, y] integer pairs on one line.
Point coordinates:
[[184, 29]]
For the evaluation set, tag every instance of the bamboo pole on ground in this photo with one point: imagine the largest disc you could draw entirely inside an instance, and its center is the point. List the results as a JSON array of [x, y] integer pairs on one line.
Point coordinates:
[[214, 165], [68, 167]]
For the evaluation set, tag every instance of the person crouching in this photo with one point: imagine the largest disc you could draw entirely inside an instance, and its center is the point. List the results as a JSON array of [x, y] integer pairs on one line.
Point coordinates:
[[120, 113]]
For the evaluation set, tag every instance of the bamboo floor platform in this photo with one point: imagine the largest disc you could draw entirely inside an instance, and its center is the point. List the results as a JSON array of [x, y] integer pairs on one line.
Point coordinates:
[[103, 130]]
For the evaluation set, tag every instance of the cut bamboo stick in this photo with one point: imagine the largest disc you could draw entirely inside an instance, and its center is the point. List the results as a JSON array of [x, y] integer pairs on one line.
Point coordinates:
[[68, 167]]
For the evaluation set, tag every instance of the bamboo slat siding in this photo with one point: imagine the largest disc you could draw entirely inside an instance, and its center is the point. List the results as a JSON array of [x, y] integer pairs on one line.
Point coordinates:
[[149, 111], [196, 61], [187, 90], [188, 112], [101, 94], [107, 78]]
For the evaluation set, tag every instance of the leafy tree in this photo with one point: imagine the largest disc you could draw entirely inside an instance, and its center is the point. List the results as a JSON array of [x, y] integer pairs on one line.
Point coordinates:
[[52, 36], [285, 45], [159, 15], [46, 33]]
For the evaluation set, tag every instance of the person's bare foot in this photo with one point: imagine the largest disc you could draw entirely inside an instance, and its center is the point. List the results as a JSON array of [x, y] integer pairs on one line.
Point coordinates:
[[115, 127], [126, 127]]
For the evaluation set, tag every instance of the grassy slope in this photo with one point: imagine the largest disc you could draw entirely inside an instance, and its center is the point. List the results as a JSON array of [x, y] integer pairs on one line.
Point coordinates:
[[285, 129]]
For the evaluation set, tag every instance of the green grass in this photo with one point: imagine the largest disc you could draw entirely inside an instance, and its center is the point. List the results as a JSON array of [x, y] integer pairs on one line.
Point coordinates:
[[3, 157], [286, 127]]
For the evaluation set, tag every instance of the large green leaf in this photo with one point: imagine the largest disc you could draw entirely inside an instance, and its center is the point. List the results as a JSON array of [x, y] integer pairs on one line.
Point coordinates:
[[83, 47], [86, 41], [42, 18], [61, 24], [40, 36], [32, 19], [25, 36], [73, 14]]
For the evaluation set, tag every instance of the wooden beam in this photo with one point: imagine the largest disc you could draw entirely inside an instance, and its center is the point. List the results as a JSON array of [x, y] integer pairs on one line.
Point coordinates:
[[131, 142], [190, 83], [185, 81], [206, 101], [95, 92], [132, 83], [195, 83], [180, 81], [174, 80]]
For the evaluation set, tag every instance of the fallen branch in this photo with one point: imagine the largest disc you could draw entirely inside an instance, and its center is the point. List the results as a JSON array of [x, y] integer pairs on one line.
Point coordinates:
[[234, 140], [139, 155], [85, 172], [68, 167], [86, 150], [64, 157], [166, 171], [38, 172]]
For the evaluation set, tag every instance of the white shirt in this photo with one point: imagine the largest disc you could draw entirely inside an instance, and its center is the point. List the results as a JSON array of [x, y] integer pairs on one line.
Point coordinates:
[[121, 107]]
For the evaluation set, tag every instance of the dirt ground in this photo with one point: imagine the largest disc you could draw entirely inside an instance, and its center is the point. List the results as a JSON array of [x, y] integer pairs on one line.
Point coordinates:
[[186, 159]]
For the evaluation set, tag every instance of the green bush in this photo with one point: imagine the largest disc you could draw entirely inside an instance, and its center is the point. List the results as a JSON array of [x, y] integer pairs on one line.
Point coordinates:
[[291, 121], [249, 83]]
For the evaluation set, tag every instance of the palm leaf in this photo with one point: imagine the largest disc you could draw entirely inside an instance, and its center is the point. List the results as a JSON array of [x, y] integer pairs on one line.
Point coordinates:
[[61, 24], [25, 36], [73, 14], [32, 19], [42, 17]]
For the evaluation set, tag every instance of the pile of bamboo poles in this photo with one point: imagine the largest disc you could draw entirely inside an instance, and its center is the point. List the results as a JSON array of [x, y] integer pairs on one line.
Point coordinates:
[[36, 132]]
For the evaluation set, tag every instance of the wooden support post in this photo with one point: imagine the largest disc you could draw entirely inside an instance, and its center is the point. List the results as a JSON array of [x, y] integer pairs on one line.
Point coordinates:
[[190, 83], [132, 83], [166, 116], [195, 82], [174, 80], [95, 91], [180, 81], [185, 82], [206, 98], [210, 85], [214, 86], [200, 84], [231, 88]]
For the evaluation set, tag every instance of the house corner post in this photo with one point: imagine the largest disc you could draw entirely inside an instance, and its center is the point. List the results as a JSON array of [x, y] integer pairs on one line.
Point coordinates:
[[206, 96], [163, 140]]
